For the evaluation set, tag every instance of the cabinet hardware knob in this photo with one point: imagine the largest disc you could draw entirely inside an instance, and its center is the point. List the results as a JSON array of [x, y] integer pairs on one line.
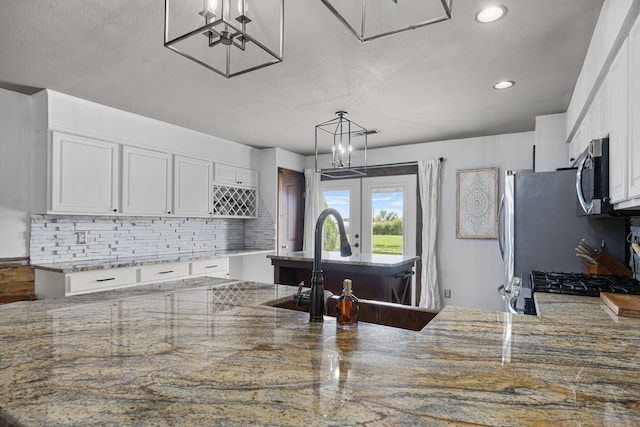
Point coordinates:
[[115, 210], [356, 245], [169, 212]]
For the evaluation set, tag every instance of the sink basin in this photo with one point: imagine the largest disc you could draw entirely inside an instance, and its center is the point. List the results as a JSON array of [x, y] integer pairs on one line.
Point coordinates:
[[378, 312]]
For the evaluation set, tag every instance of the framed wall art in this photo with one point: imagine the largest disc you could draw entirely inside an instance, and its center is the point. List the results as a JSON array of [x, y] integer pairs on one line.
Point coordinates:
[[477, 203]]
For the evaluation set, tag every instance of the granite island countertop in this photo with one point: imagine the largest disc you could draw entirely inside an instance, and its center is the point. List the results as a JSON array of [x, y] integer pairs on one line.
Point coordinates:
[[122, 262], [368, 260], [209, 352]]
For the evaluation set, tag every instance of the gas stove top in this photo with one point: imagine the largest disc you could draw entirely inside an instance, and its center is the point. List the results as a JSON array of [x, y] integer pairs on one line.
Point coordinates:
[[583, 284]]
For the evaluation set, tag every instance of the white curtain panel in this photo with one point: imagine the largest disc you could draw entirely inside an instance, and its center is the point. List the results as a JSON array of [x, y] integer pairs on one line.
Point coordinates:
[[429, 181], [312, 207]]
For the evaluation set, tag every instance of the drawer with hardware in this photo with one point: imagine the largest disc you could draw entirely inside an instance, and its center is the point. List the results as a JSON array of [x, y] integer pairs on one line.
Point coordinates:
[[87, 281], [161, 272], [218, 267]]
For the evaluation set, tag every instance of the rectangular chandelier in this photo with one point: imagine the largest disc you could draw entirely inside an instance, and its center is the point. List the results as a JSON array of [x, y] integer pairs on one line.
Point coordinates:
[[230, 37], [346, 143], [375, 19]]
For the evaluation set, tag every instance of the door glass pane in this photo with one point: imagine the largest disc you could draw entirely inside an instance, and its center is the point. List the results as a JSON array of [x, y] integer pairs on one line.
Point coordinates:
[[340, 201], [387, 212]]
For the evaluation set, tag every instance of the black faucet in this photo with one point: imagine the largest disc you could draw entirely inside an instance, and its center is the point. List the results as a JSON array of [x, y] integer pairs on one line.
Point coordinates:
[[316, 298]]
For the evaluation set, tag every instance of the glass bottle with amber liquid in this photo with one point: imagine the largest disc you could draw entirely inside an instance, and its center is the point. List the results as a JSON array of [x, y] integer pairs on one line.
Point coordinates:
[[347, 313]]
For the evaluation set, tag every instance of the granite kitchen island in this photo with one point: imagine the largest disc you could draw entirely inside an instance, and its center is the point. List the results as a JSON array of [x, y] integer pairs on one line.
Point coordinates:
[[210, 352]]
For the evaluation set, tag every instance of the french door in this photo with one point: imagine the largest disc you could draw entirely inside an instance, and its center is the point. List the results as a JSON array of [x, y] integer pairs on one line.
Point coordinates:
[[342, 195], [388, 216], [379, 213]]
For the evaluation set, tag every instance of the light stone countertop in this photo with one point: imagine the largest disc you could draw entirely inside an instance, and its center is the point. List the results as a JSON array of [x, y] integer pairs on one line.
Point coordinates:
[[368, 260], [208, 352], [101, 264]]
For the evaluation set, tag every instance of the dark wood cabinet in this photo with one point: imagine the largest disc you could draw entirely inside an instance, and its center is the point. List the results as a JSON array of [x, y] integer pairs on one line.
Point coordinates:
[[16, 282], [390, 283]]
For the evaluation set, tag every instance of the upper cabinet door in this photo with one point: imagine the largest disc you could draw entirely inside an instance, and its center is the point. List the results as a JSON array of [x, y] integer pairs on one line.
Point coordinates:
[[225, 174], [634, 112], [231, 175], [247, 177], [618, 83], [146, 182], [84, 175], [192, 186]]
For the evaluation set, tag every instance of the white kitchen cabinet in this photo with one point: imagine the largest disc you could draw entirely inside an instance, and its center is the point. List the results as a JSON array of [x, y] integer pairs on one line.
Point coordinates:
[[55, 284], [232, 175], [146, 182], [84, 175], [634, 113], [618, 83], [247, 177], [162, 272], [599, 114], [234, 193], [92, 281], [613, 25], [192, 186], [580, 140], [52, 284], [218, 267]]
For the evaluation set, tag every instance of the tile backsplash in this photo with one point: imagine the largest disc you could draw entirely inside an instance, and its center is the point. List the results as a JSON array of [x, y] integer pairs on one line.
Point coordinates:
[[55, 238]]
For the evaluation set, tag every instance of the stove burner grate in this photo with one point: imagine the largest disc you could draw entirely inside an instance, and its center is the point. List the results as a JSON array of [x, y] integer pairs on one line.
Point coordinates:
[[583, 284]]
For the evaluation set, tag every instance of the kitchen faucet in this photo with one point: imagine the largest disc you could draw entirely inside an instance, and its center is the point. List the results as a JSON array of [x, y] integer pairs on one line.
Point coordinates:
[[316, 297]]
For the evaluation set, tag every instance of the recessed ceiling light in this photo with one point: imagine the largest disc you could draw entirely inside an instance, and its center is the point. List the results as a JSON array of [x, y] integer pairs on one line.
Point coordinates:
[[490, 14], [505, 84]]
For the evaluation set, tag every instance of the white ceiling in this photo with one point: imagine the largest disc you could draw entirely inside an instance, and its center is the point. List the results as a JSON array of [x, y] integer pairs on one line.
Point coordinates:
[[433, 83]]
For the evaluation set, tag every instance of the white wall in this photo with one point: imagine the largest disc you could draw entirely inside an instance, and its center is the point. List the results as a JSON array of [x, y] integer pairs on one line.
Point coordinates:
[[271, 160], [552, 152], [16, 156], [258, 267], [269, 180], [471, 268], [291, 161]]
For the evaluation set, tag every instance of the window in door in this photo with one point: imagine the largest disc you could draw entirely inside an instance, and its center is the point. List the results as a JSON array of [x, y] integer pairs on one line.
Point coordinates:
[[387, 228], [389, 215], [343, 196]]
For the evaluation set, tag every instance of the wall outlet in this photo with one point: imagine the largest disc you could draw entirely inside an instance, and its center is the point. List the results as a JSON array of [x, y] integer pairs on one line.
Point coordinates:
[[447, 293], [81, 237]]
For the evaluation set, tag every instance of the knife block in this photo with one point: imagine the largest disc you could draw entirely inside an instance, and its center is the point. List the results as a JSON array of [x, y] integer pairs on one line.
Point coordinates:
[[608, 264]]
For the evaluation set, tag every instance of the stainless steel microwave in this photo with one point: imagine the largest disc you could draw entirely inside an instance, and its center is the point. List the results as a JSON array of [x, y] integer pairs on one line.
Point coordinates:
[[592, 181]]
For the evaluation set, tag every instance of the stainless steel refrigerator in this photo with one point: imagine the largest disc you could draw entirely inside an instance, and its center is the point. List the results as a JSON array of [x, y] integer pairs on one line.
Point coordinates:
[[539, 228]]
